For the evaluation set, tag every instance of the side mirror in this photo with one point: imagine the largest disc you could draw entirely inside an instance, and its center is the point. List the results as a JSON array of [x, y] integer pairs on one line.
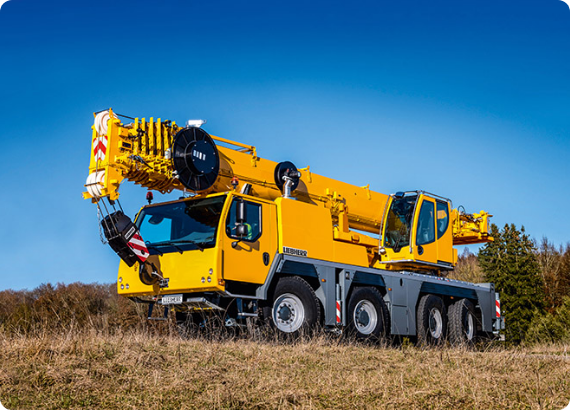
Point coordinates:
[[240, 212], [241, 217], [241, 230]]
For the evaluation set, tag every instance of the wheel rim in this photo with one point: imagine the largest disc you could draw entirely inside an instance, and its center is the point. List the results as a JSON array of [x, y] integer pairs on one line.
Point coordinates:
[[365, 317], [288, 313], [469, 327], [435, 323]]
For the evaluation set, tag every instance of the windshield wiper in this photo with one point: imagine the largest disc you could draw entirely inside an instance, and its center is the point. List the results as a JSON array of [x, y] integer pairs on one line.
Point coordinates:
[[149, 246], [173, 243], [198, 244]]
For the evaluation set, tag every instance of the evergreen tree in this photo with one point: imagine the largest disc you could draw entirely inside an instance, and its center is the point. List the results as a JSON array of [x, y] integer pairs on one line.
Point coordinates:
[[510, 262]]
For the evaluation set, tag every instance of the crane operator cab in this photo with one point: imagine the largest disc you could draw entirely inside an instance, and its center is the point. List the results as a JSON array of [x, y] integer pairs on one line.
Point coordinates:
[[417, 233]]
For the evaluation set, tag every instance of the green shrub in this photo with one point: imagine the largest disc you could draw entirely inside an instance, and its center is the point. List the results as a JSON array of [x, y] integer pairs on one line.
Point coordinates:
[[552, 327]]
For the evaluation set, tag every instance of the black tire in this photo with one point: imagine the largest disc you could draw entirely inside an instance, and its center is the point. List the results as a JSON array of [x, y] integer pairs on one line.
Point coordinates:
[[431, 321], [367, 315], [296, 308], [462, 322]]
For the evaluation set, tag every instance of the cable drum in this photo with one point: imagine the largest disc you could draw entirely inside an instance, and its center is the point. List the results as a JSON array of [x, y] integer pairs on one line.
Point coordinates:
[[288, 169], [195, 158]]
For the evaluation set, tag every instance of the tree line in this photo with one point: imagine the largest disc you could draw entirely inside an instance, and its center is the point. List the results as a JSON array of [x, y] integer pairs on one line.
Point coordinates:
[[533, 280]]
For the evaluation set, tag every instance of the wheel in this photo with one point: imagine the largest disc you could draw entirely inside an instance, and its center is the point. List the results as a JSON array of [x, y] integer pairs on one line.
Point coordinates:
[[296, 308], [367, 314], [431, 321], [462, 322]]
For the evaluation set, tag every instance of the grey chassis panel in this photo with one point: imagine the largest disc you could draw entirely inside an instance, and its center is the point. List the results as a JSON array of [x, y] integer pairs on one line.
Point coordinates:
[[402, 291], [276, 265], [486, 298]]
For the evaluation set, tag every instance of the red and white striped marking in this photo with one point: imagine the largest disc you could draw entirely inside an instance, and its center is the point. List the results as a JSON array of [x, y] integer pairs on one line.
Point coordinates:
[[138, 246], [498, 308], [338, 317], [100, 147], [100, 142]]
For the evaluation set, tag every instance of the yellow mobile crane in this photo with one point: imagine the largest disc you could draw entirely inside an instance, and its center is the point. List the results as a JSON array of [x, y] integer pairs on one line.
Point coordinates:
[[252, 237]]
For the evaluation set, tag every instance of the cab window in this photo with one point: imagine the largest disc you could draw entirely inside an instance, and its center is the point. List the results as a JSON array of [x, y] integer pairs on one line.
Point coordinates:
[[426, 224], [442, 218], [252, 221], [182, 224], [399, 222]]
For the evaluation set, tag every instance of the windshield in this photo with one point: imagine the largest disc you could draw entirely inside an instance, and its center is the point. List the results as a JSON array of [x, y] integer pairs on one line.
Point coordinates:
[[181, 226], [399, 222]]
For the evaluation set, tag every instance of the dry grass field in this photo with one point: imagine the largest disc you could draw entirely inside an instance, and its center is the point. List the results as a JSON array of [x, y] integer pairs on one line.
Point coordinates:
[[141, 371]]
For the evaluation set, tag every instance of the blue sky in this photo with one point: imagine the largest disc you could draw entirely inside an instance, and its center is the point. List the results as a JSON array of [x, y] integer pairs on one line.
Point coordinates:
[[468, 100]]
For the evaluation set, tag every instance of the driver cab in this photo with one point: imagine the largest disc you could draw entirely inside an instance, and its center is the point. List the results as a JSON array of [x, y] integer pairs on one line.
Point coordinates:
[[417, 232]]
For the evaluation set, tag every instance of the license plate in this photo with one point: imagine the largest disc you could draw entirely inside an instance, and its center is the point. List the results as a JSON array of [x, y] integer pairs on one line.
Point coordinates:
[[171, 299]]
